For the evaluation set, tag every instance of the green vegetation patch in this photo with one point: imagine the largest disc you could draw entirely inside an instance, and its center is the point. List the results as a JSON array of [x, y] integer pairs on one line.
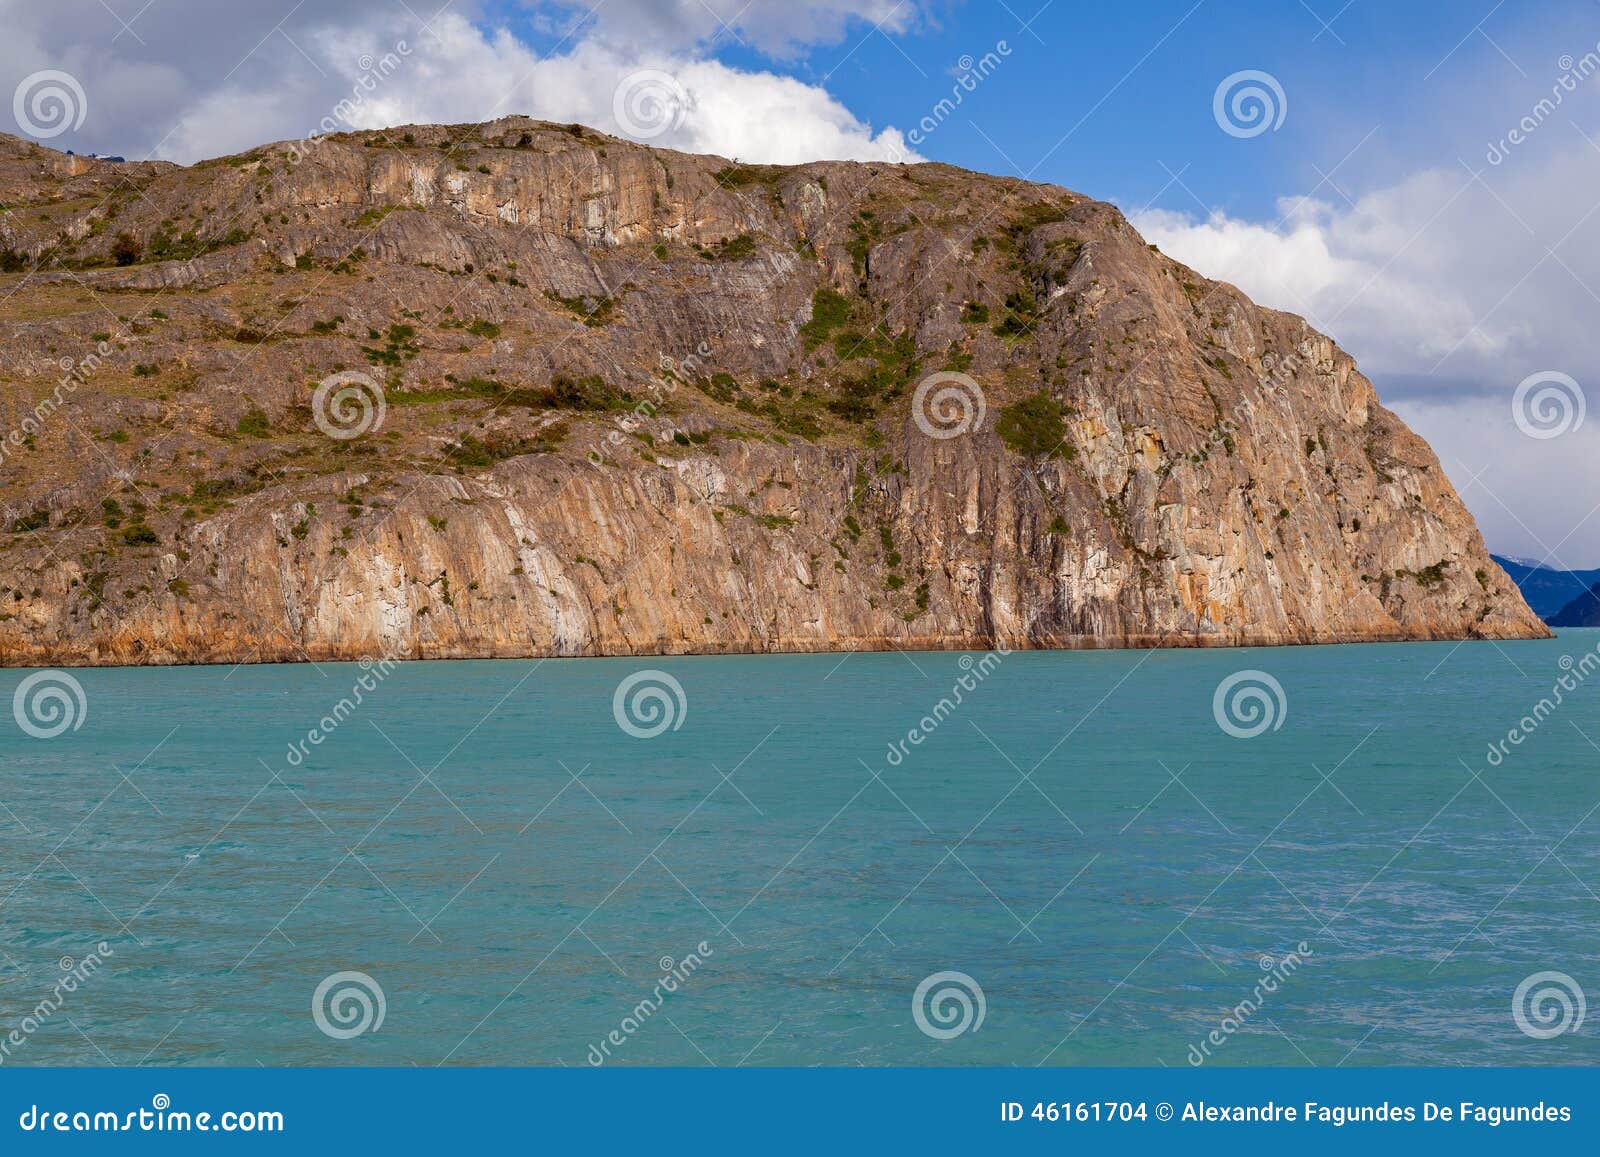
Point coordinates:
[[889, 362], [738, 248], [1034, 426], [38, 520], [1020, 316], [602, 312], [830, 310], [400, 344], [740, 176], [374, 215], [589, 393], [254, 424], [482, 453]]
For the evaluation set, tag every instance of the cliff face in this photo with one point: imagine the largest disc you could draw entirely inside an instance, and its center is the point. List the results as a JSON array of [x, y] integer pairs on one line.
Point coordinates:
[[519, 389]]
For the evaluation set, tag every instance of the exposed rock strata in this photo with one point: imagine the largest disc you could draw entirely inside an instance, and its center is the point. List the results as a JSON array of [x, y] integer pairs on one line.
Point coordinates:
[[1212, 472]]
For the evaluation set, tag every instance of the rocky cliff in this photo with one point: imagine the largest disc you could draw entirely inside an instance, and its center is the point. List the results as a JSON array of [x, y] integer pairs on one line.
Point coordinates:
[[521, 389]]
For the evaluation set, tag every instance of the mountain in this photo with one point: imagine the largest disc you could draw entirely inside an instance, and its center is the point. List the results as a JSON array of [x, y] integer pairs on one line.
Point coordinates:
[[521, 389], [1547, 590], [1583, 611]]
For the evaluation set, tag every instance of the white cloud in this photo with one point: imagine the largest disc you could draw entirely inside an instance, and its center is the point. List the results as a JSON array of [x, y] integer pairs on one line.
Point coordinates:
[[1450, 288], [462, 74], [776, 27], [201, 85]]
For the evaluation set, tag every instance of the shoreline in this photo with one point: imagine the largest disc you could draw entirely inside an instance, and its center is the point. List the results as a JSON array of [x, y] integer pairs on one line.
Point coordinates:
[[258, 657]]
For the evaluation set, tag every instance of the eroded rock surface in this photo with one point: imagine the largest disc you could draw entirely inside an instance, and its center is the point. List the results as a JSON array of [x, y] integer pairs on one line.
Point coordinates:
[[642, 402]]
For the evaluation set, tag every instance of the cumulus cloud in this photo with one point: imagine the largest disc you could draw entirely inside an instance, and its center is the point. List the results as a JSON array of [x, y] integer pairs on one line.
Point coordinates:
[[776, 27], [1450, 287], [193, 79]]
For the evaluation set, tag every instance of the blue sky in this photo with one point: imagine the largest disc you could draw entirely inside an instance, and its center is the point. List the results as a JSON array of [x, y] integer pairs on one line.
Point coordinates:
[[1115, 91], [1373, 209]]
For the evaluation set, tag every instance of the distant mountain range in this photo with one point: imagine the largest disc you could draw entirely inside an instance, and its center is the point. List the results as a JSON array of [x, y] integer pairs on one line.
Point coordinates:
[[1562, 598]]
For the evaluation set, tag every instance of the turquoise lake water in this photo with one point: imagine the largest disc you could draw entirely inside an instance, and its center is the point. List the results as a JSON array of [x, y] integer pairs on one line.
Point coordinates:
[[488, 846]]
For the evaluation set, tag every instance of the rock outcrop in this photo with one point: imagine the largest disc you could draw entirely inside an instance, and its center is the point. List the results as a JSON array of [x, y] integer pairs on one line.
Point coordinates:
[[520, 389]]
